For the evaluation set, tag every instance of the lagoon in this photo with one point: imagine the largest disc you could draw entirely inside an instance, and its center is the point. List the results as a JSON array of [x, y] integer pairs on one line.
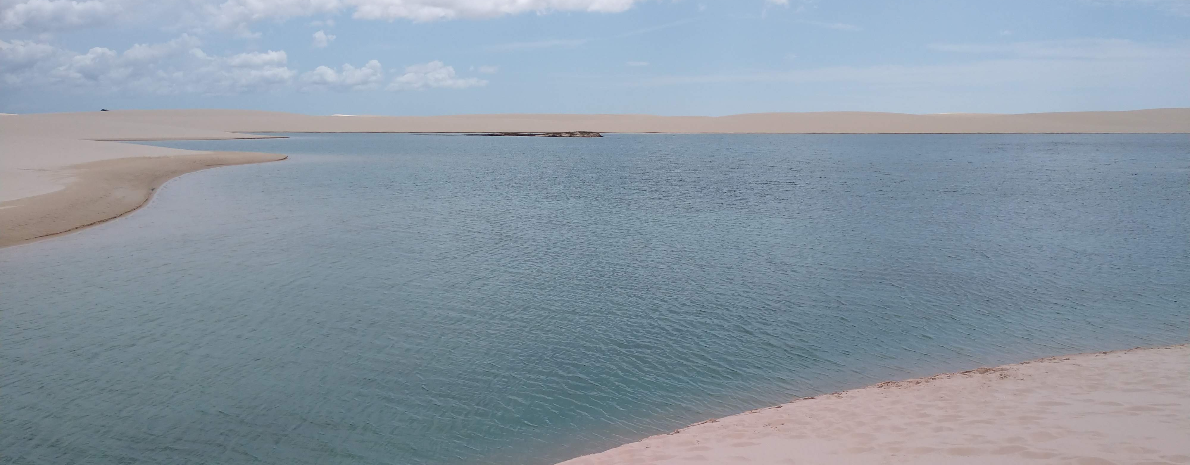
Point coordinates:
[[436, 299]]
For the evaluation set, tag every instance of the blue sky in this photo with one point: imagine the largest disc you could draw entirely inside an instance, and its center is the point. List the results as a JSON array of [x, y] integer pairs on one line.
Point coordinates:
[[684, 57]]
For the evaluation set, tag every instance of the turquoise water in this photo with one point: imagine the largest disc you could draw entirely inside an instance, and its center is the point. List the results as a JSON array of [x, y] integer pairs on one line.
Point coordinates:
[[410, 299]]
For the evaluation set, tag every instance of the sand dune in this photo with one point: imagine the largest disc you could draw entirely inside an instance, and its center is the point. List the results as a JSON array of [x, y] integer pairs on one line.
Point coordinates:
[[1126, 407]]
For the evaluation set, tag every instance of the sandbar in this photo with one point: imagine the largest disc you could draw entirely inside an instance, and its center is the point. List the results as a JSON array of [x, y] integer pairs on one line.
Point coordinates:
[[103, 190], [62, 172]]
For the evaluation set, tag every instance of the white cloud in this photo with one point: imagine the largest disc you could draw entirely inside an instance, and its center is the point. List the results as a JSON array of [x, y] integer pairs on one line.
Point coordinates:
[[433, 10], [431, 75], [637, 63], [55, 14], [238, 15], [258, 59], [369, 77], [173, 67], [180, 66], [322, 39], [154, 52], [18, 55], [244, 72]]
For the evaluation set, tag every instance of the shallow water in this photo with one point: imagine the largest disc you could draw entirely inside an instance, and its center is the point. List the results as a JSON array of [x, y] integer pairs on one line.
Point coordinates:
[[412, 299]]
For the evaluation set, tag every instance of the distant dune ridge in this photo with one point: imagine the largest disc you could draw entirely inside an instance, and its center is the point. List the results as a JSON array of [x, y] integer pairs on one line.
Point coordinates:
[[42, 154], [180, 124]]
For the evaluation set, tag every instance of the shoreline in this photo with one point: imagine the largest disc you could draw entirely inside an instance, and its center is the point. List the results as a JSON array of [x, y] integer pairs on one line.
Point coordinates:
[[103, 191], [470, 133], [1100, 408], [169, 139]]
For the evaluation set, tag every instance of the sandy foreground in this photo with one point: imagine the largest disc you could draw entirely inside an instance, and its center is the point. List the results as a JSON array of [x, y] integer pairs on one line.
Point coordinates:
[[50, 181], [1127, 407]]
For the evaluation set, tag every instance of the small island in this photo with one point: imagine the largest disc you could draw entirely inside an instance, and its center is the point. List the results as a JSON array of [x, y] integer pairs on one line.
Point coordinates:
[[540, 134]]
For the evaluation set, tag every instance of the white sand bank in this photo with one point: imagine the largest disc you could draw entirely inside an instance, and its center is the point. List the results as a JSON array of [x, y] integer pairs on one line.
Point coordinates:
[[1128, 407]]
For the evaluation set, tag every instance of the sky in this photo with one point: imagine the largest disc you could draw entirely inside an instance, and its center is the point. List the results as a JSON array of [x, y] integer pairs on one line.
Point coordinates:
[[667, 57]]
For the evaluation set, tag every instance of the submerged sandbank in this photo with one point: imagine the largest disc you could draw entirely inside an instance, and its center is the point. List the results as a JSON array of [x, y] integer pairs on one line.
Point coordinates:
[[1130, 406]]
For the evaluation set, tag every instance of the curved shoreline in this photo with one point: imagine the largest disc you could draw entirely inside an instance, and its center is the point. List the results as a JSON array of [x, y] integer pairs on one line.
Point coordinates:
[[1129, 406], [104, 190]]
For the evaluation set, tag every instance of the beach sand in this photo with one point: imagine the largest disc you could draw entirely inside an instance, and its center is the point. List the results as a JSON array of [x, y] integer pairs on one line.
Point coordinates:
[[1127, 407]]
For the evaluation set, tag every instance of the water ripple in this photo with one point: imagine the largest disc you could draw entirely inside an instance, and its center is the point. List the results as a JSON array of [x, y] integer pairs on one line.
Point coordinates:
[[432, 299]]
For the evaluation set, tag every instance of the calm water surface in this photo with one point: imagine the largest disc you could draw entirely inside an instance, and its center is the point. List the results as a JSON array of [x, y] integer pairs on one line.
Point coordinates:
[[416, 299]]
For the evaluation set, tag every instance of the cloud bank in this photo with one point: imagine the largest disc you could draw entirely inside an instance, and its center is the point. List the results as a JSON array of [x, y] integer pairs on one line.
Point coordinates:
[[238, 15], [433, 75], [180, 66], [176, 66]]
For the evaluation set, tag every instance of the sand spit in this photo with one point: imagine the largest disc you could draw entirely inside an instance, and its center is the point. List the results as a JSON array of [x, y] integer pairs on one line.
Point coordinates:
[[59, 173], [1126, 407], [104, 190]]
